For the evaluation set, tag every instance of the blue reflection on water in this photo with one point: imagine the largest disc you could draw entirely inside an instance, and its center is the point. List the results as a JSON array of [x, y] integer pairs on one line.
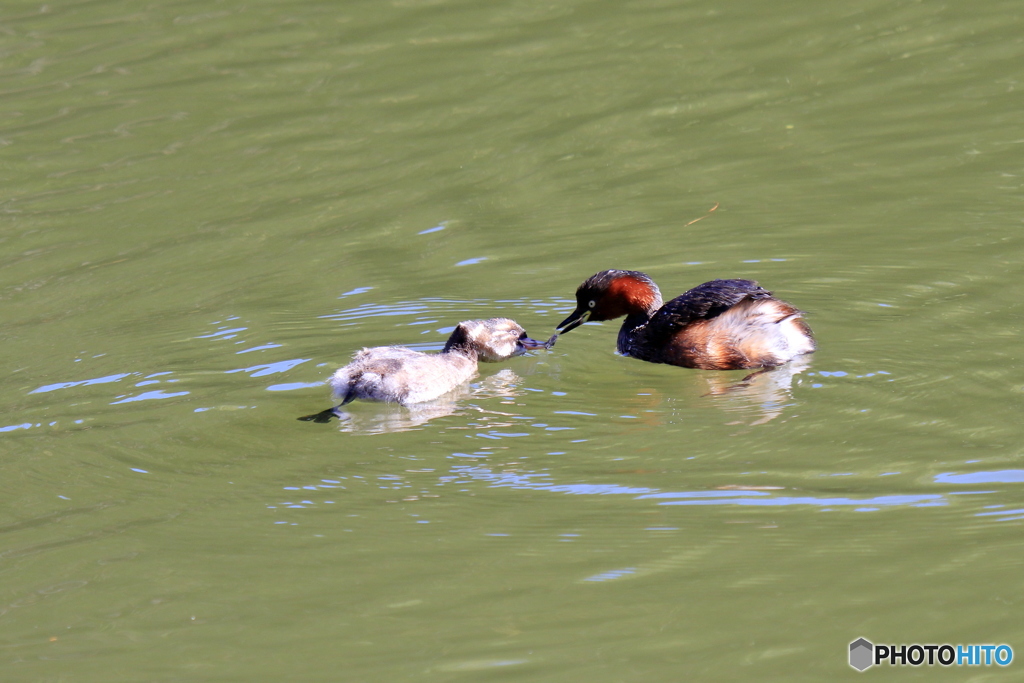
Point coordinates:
[[995, 477], [378, 310], [292, 386], [705, 494], [926, 500], [270, 368], [529, 481], [223, 334], [535, 481], [11, 428], [149, 396], [425, 346], [81, 383], [612, 575], [259, 348], [1002, 514], [357, 290]]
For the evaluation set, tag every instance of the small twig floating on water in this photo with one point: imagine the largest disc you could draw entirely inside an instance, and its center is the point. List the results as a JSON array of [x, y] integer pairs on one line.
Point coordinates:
[[704, 216]]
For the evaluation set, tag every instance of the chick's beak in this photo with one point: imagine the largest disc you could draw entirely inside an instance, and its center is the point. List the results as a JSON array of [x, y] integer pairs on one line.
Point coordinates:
[[577, 318], [532, 344]]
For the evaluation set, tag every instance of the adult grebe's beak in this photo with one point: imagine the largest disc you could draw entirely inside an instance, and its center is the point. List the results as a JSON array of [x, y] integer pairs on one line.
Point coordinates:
[[577, 318]]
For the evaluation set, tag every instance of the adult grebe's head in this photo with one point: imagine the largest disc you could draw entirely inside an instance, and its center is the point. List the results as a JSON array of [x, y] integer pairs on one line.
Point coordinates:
[[612, 294], [492, 340]]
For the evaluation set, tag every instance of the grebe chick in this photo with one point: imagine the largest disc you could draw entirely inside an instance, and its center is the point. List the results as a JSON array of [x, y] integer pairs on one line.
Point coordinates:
[[719, 325], [395, 374]]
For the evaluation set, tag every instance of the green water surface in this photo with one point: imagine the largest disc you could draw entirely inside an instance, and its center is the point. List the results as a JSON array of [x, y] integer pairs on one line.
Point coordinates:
[[207, 207]]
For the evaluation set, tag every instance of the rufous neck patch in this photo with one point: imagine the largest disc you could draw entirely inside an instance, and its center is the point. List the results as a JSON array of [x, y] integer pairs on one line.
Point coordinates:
[[627, 295]]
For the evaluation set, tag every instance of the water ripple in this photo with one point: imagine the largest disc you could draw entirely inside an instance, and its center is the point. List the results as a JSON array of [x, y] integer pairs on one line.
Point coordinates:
[[82, 383]]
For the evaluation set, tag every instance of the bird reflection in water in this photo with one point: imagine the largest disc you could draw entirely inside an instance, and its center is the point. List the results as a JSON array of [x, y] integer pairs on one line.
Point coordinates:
[[756, 399], [764, 394], [385, 418]]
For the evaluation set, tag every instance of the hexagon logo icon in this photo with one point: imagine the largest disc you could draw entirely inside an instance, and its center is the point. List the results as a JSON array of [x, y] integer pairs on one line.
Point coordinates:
[[861, 654]]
